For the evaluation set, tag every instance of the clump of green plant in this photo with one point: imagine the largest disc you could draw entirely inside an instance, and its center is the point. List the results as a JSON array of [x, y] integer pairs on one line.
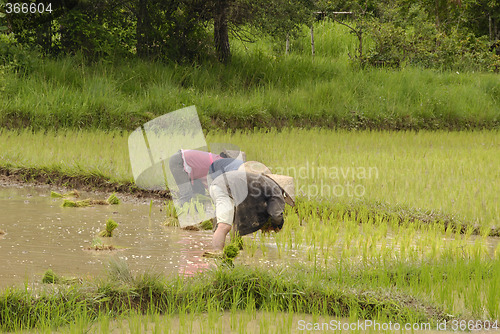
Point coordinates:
[[206, 225], [86, 202], [170, 209], [229, 253], [99, 245], [237, 241], [111, 225], [99, 202], [49, 277], [171, 214], [113, 200], [171, 221], [76, 204]]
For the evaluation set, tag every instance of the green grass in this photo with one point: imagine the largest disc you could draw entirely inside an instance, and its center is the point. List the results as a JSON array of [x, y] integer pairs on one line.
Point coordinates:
[[261, 88], [222, 289], [403, 292]]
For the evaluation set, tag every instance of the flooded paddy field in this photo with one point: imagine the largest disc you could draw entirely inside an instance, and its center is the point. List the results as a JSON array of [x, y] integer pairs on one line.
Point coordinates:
[[314, 265], [40, 235]]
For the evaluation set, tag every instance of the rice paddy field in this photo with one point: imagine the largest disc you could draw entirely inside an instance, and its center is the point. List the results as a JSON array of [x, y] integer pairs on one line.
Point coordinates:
[[396, 227], [454, 173]]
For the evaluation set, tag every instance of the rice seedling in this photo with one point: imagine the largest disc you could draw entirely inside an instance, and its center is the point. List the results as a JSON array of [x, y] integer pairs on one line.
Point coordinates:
[[76, 204], [171, 221], [50, 277], [88, 202], [111, 225], [113, 200], [171, 214], [102, 247], [99, 202], [207, 224], [230, 252]]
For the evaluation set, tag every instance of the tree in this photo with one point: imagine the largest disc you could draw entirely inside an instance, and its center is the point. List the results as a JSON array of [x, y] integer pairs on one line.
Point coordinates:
[[276, 18], [221, 30]]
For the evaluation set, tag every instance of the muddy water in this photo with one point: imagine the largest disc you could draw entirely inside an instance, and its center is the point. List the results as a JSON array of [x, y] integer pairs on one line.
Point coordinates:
[[40, 234]]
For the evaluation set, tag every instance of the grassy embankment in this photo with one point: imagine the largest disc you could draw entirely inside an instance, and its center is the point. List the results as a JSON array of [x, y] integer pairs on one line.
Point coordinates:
[[261, 88], [221, 289]]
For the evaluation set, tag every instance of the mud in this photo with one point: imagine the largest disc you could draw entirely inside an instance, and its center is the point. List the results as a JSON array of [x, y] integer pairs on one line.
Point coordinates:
[[19, 177]]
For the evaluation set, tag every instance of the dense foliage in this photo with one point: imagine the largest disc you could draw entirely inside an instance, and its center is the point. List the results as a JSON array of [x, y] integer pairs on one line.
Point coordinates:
[[430, 33], [175, 29]]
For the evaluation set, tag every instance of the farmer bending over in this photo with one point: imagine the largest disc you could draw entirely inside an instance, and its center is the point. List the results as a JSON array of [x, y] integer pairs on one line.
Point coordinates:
[[190, 169], [248, 200]]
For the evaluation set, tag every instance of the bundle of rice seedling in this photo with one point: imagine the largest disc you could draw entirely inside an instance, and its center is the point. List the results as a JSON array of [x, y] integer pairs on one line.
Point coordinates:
[[113, 200], [230, 252], [171, 221], [55, 194], [206, 225], [170, 209], [110, 226], [102, 248], [51, 278], [76, 204], [99, 202]]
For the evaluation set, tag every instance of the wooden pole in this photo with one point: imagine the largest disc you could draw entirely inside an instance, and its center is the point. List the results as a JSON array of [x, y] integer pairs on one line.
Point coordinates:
[[312, 40]]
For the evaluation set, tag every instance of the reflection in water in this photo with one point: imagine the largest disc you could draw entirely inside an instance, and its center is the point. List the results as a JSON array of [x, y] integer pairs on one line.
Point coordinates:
[[190, 260]]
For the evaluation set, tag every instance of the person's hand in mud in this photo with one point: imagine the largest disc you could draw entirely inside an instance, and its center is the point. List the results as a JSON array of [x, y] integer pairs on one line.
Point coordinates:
[[273, 224]]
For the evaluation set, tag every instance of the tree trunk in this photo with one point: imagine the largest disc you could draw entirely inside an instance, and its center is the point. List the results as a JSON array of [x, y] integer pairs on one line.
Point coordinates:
[[436, 4], [221, 32], [490, 26], [287, 47], [143, 30]]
